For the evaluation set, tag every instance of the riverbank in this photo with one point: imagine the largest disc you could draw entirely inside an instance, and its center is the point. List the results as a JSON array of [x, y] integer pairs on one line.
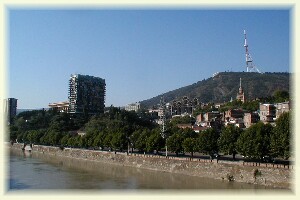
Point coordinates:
[[277, 176]]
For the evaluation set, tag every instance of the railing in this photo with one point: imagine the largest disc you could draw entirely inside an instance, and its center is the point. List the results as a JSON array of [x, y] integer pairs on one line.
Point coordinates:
[[256, 164], [270, 165]]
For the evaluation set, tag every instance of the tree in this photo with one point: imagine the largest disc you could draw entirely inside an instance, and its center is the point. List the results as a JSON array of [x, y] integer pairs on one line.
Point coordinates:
[[227, 141], [64, 140], [154, 141], [182, 120], [251, 105], [73, 141], [54, 137], [119, 141], [83, 142], [281, 96], [280, 139], [174, 143], [255, 141], [141, 141], [60, 123], [208, 141], [107, 140], [188, 133], [190, 145], [99, 140], [33, 136]]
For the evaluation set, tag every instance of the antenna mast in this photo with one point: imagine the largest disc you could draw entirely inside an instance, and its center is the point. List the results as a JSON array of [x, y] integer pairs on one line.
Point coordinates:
[[162, 111], [249, 62]]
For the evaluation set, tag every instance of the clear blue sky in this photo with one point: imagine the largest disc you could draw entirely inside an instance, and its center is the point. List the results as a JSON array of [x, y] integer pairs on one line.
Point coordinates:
[[140, 53]]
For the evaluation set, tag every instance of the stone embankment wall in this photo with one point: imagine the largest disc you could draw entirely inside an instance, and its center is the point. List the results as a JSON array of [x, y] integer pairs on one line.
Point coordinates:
[[278, 176]]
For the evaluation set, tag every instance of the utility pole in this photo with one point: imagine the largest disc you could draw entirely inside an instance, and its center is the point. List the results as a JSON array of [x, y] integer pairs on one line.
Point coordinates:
[[162, 119]]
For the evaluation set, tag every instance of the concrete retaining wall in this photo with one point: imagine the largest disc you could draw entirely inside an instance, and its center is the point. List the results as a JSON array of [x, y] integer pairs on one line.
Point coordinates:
[[255, 173]]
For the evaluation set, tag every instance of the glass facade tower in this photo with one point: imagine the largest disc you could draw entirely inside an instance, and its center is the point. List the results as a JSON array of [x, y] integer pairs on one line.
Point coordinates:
[[86, 94]]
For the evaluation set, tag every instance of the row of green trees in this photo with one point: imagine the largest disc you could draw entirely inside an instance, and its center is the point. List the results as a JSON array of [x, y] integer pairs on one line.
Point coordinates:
[[257, 142], [119, 130]]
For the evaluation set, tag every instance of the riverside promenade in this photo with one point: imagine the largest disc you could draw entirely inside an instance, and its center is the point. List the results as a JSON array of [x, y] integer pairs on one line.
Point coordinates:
[[274, 175]]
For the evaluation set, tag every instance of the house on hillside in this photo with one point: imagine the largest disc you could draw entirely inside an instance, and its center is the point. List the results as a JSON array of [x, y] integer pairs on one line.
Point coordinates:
[[212, 119], [267, 112], [183, 126], [250, 119], [235, 117], [282, 108], [198, 129]]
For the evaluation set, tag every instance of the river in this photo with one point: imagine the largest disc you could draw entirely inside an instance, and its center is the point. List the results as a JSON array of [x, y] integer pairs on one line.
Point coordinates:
[[40, 171]]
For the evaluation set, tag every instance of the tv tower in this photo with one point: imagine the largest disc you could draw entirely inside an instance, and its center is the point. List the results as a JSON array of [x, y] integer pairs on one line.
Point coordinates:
[[249, 62]]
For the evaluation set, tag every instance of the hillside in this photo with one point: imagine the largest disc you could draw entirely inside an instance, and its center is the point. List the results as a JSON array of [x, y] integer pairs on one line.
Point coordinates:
[[225, 85]]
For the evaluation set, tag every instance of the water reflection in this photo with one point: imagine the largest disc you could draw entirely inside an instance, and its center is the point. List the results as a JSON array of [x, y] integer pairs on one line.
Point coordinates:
[[41, 171]]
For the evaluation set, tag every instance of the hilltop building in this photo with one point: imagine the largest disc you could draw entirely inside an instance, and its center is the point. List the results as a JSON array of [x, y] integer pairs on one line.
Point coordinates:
[[241, 95], [60, 106], [133, 107], [10, 109], [86, 94]]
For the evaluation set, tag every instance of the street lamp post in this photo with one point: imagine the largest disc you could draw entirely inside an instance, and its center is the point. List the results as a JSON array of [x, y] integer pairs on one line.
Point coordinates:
[[166, 149]]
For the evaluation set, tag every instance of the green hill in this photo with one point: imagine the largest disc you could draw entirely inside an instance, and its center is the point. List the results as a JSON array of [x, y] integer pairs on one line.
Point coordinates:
[[225, 85]]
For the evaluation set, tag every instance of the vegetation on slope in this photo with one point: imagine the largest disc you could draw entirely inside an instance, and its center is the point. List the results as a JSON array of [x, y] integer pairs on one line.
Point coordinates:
[[225, 85]]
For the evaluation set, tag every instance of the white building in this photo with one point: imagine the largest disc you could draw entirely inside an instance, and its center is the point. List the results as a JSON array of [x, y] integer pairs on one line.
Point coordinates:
[[133, 107]]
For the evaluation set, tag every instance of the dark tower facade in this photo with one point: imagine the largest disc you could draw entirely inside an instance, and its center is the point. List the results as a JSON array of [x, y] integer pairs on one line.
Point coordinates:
[[86, 94], [11, 109]]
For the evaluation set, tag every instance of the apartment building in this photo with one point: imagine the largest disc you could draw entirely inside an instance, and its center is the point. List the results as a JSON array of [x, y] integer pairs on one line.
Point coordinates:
[[86, 94], [281, 108], [267, 112], [250, 119]]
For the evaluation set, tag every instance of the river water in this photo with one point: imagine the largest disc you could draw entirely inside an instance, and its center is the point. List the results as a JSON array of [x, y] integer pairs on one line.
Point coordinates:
[[41, 171]]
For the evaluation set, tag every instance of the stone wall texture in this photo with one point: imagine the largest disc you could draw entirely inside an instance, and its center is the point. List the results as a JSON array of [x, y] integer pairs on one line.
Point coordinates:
[[274, 175]]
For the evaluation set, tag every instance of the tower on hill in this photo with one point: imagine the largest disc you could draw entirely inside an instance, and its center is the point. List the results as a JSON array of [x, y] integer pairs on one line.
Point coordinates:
[[249, 61], [240, 95]]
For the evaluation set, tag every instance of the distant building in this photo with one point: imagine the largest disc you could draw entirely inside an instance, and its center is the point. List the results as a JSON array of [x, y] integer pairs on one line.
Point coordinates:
[[198, 129], [10, 109], [241, 95], [234, 117], [210, 119], [184, 126], [250, 119], [133, 107], [234, 113], [282, 108], [267, 112], [86, 94], [60, 106], [184, 106]]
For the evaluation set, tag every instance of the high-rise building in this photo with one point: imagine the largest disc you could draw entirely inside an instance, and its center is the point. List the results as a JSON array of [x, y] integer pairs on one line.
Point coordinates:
[[86, 94], [10, 108]]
